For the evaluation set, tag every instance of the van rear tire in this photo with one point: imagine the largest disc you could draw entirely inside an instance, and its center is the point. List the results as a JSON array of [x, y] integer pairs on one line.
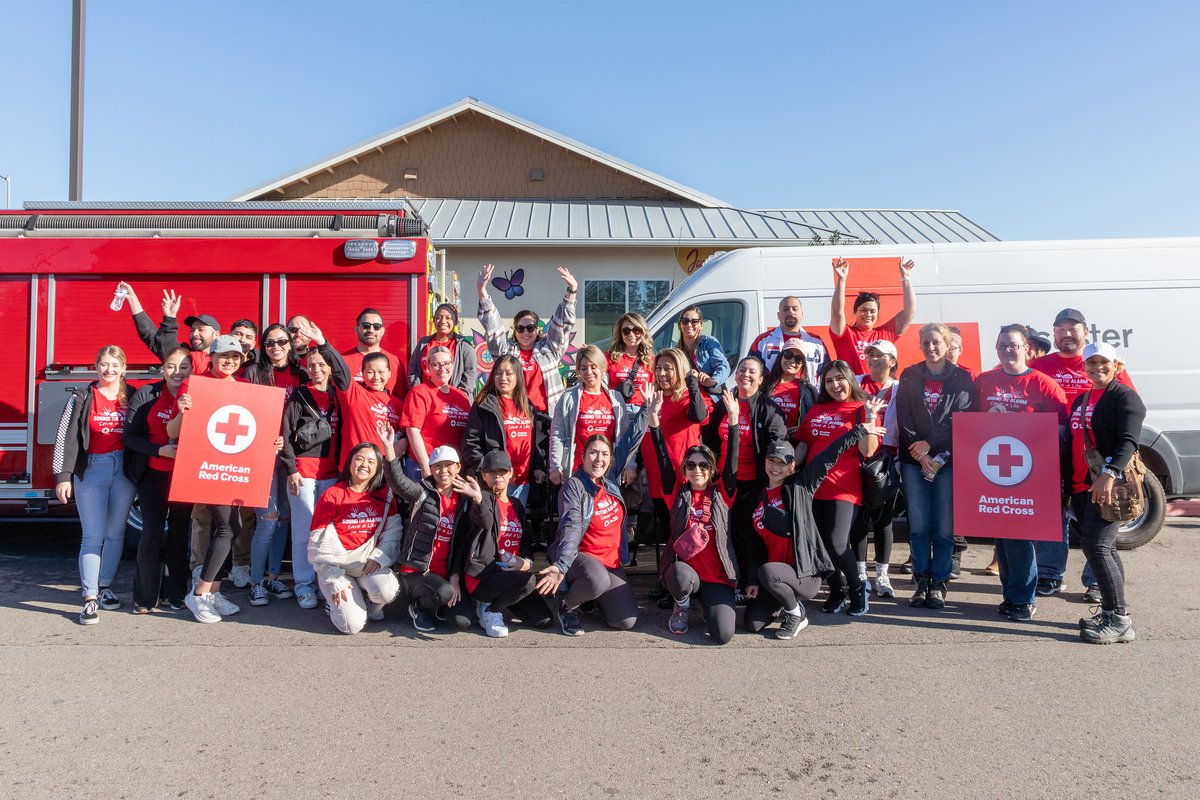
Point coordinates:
[[1142, 529]]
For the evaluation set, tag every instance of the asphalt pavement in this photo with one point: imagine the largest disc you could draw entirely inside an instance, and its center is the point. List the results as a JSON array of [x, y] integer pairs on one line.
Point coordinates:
[[901, 703]]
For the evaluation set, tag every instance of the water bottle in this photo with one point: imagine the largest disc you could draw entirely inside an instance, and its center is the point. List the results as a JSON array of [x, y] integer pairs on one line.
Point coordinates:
[[118, 301], [509, 560], [938, 462]]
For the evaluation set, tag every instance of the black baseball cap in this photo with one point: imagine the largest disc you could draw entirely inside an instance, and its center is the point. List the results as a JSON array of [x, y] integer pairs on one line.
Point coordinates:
[[1073, 314], [203, 319], [782, 451], [496, 461]]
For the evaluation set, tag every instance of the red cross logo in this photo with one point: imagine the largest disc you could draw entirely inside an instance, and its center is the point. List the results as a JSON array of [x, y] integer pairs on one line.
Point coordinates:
[[1004, 460], [232, 429]]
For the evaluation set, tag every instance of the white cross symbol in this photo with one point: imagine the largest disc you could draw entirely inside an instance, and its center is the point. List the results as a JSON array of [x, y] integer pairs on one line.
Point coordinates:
[[1005, 461]]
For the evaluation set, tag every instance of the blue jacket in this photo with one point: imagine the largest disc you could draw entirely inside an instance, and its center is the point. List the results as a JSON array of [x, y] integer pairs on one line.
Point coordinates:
[[710, 359]]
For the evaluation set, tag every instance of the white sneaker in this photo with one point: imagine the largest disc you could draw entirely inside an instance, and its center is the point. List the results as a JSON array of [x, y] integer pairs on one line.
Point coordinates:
[[492, 622], [201, 606], [240, 575], [374, 611], [223, 606], [306, 599], [258, 595], [883, 586]]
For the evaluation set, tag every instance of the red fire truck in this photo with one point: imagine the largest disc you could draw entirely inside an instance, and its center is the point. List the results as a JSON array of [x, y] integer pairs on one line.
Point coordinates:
[[60, 264]]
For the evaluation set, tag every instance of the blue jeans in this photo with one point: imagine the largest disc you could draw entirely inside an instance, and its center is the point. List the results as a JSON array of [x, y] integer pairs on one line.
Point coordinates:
[[930, 520], [103, 497], [302, 505], [270, 530], [1052, 558], [1018, 569]]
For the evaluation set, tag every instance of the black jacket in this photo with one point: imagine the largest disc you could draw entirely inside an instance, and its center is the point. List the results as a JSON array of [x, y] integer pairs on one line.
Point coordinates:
[[138, 447], [299, 409], [425, 510], [1116, 423], [482, 547], [74, 435], [765, 420], [485, 433], [913, 416], [811, 557]]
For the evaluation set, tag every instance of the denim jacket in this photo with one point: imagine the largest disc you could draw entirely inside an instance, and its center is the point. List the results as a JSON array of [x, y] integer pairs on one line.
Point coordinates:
[[710, 359]]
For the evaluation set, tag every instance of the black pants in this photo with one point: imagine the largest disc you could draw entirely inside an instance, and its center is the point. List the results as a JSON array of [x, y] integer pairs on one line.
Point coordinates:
[[157, 512], [834, 520], [1098, 538], [877, 521], [716, 599], [227, 524], [515, 591], [741, 526], [432, 593], [778, 587], [590, 580]]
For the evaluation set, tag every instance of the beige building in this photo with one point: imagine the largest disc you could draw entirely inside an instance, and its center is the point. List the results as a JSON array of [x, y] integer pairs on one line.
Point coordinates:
[[494, 188]]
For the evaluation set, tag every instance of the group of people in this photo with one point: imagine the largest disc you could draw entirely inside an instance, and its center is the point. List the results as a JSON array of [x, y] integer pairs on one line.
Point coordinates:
[[400, 482]]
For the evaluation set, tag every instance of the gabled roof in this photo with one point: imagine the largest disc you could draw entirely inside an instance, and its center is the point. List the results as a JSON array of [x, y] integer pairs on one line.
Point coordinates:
[[471, 104]]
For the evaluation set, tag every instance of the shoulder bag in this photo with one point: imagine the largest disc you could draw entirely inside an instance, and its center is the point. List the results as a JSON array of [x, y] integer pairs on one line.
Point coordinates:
[[316, 429], [879, 479], [694, 539], [1128, 496]]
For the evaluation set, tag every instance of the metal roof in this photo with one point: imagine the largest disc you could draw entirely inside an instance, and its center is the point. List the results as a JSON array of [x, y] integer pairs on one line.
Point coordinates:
[[465, 222], [471, 104]]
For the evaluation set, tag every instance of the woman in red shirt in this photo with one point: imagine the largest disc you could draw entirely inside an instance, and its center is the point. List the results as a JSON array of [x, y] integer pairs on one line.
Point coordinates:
[[90, 451], [879, 384], [788, 385], [838, 500], [502, 419], [629, 359]]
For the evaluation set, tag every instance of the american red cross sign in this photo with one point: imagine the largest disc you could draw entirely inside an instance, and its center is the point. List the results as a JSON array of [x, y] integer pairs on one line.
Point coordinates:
[[1006, 476], [227, 444]]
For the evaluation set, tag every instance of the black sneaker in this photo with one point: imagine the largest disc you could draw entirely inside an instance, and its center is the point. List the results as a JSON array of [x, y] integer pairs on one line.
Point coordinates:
[[955, 566], [1094, 621], [658, 592], [791, 624], [1005, 608], [859, 604], [422, 620], [922, 593], [1111, 628], [835, 602], [1022, 612], [1092, 594], [90, 614], [739, 599], [108, 599], [569, 620], [937, 595], [589, 606], [663, 602], [906, 567], [1046, 588]]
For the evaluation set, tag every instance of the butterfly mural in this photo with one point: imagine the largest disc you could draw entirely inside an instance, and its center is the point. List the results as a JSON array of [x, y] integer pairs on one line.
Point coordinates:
[[510, 284]]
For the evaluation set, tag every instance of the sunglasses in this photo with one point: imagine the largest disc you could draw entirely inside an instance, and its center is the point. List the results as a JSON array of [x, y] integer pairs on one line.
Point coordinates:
[[704, 465], [527, 328], [627, 330], [792, 356], [690, 321], [367, 326], [275, 342]]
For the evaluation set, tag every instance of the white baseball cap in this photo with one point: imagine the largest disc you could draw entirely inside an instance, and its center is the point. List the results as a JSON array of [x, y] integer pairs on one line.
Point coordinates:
[[883, 346], [444, 453], [1102, 349]]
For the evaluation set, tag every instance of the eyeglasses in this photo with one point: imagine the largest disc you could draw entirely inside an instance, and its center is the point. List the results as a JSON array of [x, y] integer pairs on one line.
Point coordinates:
[[690, 321], [627, 330], [1011, 348], [792, 356], [366, 326], [440, 365], [703, 465], [275, 342], [527, 328]]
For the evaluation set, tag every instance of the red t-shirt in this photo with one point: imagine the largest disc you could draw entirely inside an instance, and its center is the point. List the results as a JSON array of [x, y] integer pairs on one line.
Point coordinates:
[[602, 539], [535, 385], [679, 433], [518, 440], [361, 408], [432, 343], [1081, 477], [596, 415], [106, 425], [354, 361], [440, 415], [747, 459], [439, 559], [823, 424], [933, 393], [779, 548], [1067, 372], [508, 536], [619, 370], [707, 562], [163, 411], [322, 467], [287, 379], [1022, 394], [355, 516], [851, 346], [786, 395], [201, 361], [876, 391]]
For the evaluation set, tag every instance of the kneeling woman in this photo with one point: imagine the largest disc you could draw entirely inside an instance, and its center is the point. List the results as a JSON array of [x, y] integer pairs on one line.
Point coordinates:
[[590, 547], [499, 569], [355, 538], [787, 557], [700, 559]]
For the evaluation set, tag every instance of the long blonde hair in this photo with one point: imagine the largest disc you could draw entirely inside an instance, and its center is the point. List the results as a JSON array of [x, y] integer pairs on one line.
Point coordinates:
[[645, 347], [682, 368], [119, 354]]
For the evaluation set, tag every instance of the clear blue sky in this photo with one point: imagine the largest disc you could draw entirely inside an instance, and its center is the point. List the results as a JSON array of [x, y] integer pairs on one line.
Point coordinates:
[[1036, 119]]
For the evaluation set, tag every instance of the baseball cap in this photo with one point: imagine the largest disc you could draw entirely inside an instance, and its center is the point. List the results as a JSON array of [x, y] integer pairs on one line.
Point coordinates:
[[496, 461], [782, 451], [793, 344], [203, 319], [1041, 341], [1073, 314], [885, 347], [444, 453], [1105, 351], [224, 344]]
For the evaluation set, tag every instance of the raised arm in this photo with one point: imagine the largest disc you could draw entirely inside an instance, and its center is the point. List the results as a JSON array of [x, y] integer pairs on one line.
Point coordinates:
[[697, 409], [837, 308], [731, 443], [812, 473], [560, 327], [905, 317], [498, 342]]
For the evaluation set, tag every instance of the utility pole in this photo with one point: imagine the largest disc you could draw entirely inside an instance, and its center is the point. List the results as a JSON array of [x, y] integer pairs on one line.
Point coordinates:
[[7, 190], [75, 190]]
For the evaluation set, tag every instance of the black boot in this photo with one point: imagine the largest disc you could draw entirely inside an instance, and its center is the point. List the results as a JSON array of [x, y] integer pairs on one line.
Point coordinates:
[[922, 593], [936, 598]]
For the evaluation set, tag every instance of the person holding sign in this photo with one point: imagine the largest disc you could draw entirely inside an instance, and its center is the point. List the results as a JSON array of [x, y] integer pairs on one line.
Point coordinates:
[[1106, 423], [1015, 388], [850, 341]]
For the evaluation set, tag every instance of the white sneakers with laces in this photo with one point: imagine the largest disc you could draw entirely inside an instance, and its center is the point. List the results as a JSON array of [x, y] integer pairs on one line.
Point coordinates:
[[492, 622]]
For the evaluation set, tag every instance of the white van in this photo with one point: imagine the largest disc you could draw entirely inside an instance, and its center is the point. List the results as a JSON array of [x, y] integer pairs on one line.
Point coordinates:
[[1137, 294]]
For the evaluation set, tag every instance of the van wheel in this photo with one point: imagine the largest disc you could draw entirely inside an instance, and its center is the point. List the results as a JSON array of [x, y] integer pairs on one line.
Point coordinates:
[[1146, 526]]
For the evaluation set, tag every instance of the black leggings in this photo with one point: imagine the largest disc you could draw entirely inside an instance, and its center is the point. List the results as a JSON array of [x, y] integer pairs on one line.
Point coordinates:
[[716, 599], [778, 587], [432, 593], [1098, 538], [588, 579], [834, 519], [227, 524], [876, 521], [157, 512], [741, 525], [516, 591]]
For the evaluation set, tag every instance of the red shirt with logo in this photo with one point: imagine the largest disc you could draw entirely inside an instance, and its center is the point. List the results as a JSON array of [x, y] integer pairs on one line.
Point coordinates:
[[851, 346], [747, 469], [679, 433], [361, 409], [518, 439], [619, 370], [440, 414], [106, 425], [535, 384], [602, 539], [707, 562], [787, 395], [355, 516], [1021, 394], [933, 393], [439, 559], [1067, 372], [326, 466], [450, 345], [163, 411], [508, 536], [1081, 478], [354, 361], [779, 548], [822, 425], [596, 415]]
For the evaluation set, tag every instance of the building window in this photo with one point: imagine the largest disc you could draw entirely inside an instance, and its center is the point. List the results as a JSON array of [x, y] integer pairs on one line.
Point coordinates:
[[605, 301]]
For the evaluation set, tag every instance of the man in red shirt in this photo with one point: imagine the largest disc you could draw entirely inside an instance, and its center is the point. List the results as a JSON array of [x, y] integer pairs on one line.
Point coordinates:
[[850, 341], [1066, 369], [769, 344], [369, 328]]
